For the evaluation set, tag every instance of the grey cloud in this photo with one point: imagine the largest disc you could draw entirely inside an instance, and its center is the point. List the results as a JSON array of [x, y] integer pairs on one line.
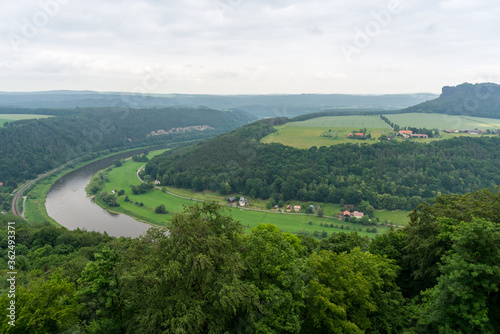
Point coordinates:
[[111, 40]]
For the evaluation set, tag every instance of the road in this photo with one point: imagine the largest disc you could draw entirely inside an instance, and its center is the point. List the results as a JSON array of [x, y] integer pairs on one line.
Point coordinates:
[[19, 193]]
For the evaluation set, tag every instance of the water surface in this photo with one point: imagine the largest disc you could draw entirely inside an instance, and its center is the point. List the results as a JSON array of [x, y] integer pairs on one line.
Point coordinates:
[[68, 204]]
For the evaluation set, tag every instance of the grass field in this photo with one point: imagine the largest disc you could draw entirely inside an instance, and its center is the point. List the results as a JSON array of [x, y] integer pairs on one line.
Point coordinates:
[[328, 131], [354, 122], [16, 117], [35, 203], [306, 137], [442, 121], [124, 176]]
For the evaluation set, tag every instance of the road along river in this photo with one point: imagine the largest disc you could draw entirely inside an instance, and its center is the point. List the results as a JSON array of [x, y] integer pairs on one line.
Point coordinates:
[[68, 204]]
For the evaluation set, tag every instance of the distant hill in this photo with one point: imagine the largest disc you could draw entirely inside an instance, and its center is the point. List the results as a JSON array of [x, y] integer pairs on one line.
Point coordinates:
[[388, 175], [260, 106], [31, 147], [481, 100]]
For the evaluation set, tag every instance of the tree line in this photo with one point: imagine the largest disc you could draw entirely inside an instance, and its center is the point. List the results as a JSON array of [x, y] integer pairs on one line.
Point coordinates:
[[31, 147], [388, 175], [440, 274]]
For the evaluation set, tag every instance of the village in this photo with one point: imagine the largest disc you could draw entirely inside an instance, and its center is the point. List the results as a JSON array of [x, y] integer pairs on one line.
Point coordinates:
[[346, 213]]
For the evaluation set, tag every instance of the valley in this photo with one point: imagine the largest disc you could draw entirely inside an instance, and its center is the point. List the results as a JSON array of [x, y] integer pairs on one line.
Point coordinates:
[[380, 208], [256, 213]]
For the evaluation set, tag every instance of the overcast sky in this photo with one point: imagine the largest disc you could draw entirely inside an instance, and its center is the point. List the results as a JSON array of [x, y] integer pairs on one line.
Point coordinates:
[[248, 46]]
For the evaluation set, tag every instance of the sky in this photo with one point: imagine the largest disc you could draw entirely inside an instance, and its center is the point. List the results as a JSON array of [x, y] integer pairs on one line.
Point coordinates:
[[248, 46]]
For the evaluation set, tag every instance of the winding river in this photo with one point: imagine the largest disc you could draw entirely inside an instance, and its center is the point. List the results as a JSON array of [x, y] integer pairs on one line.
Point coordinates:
[[69, 205]]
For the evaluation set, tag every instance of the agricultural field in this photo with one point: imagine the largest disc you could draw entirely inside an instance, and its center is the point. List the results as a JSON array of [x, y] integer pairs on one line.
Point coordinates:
[[443, 121], [327, 131], [353, 122], [124, 176], [16, 117]]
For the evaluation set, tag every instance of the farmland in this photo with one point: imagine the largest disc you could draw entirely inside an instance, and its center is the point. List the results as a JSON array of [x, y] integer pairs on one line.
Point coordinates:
[[353, 122], [442, 121], [16, 117], [124, 176], [326, 131]]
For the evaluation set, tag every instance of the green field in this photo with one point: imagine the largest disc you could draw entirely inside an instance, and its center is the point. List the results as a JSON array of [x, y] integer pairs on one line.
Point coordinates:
[[16, 117], [35, 203], [327, 131], [442, 121], [354, 122], [124, 176]]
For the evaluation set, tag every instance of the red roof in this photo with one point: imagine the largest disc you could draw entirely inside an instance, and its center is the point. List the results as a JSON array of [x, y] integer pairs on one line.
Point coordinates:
[[358, 133], [347, 213], [358, 214], [408, 132]]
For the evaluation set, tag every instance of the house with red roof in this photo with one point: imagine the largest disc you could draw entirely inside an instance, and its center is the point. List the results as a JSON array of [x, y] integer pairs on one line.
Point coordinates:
[[358, 214]]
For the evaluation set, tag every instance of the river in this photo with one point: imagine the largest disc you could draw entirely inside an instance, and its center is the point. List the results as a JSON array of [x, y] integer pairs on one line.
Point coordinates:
[[68, 204]]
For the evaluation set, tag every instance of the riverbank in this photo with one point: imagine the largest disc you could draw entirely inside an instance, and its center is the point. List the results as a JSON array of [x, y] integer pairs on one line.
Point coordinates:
[[174, 201], [35, 210]]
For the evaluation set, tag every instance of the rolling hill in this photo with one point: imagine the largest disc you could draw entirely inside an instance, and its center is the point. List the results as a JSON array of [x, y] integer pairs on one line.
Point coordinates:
[[480, 100], [261, 106], [31, 147]]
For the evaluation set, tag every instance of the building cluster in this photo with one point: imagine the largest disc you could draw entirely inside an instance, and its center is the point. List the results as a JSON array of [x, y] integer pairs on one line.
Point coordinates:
[[241, 202], [349, 212], [409, 133], [181, 130], [471, 132], [356, 134]]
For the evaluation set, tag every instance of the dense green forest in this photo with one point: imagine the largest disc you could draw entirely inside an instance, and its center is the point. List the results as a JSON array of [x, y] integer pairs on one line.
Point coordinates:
[[440, 274], [389, 175], [31, 147], [480, 100]]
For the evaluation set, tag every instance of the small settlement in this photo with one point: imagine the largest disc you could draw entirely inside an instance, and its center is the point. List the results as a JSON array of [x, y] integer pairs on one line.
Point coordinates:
[[349, 212], [242, 201], [409, 133]]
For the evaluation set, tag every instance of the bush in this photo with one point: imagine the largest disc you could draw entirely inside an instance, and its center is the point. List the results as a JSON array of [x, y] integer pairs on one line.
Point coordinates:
[[161, 209]]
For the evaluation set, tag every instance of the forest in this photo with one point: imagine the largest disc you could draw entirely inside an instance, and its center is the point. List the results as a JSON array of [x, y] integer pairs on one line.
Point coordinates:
[[479, 100], [388, 175], [440, 274], [31, 147]]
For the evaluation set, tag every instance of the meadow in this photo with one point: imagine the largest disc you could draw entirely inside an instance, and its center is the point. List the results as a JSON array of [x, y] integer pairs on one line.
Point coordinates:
[[327, 131], [354, 122], [124, 176], [334, 130], [443, 121], [35, 210], [16, 117]]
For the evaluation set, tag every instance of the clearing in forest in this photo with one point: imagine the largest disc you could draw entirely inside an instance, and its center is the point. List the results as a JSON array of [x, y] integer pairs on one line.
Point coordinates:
[[327, 131]]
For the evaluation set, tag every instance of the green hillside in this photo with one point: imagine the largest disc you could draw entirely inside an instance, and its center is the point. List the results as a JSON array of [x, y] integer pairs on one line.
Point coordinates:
[[388, 175], [444, 121], [479, 100], [31, 147], [357, 122]]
